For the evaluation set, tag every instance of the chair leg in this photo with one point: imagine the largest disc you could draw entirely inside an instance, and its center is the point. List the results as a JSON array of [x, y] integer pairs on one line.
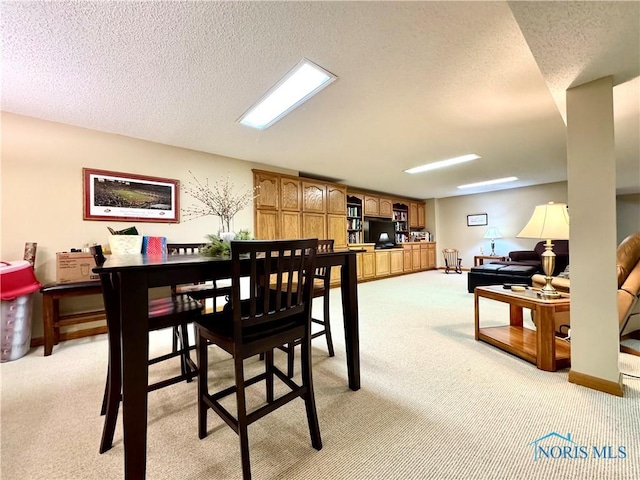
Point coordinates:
[[103, 409], [113, 387], [309, 398], [202, 359], [111, 412], [242, 418], [185, 356], [327, 324], [269, 370], [291, 350]]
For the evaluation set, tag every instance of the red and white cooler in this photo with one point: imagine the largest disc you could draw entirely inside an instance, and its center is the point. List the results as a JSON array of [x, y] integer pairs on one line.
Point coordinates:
[[17, 283]]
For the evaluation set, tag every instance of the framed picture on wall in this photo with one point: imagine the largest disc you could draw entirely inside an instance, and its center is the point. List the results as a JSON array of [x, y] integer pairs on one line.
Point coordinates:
[[130, 197], [477, 220]]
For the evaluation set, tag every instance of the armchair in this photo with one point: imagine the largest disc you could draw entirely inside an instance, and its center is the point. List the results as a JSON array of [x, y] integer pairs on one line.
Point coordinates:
[[628, 270]]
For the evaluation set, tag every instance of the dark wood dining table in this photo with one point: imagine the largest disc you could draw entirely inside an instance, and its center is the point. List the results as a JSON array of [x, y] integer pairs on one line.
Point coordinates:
[[137, 274]]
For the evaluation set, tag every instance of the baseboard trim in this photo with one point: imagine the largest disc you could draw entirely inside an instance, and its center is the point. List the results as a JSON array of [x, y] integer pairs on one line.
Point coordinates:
[[595, 383]]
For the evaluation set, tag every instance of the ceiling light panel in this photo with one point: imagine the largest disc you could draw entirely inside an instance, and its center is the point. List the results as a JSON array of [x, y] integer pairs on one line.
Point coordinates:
[[296, 87], [489, 182], [443, 163]]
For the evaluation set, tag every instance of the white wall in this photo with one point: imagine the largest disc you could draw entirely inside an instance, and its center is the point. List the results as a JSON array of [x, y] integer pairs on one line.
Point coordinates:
[[42, 189], [508, 210], [627, 215]]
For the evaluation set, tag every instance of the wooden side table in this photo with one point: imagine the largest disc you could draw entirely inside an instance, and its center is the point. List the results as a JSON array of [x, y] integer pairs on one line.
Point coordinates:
[[479, 259], [540, 346]]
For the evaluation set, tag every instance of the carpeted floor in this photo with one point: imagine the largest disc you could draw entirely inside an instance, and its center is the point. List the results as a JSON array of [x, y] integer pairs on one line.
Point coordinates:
[[434, 404]]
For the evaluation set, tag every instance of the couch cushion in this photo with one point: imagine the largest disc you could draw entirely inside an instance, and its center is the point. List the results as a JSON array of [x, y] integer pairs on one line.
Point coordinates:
[[487, 267], [518, 270]]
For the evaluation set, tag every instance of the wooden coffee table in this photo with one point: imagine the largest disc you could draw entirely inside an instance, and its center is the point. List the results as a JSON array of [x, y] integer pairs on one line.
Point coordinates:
[[479, 259], [540, 346]]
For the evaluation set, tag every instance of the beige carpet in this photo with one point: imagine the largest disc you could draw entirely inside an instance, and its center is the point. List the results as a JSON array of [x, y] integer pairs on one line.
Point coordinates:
[[434, 404]]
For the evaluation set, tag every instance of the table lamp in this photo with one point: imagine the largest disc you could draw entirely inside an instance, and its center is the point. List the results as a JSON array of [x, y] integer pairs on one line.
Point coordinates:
[[492, 233], [547, 222], [384, 240]]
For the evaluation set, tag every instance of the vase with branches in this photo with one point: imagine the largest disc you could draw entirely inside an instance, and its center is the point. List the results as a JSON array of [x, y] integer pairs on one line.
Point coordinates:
[[220, 199]]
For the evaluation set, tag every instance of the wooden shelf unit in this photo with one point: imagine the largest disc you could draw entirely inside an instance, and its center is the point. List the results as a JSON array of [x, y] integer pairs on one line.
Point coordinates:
[[297, 207], [354, 219], [401, 222]]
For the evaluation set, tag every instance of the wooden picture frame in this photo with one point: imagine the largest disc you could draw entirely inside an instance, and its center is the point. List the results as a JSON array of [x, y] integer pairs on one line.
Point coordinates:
[[477, 220], [120, 196]]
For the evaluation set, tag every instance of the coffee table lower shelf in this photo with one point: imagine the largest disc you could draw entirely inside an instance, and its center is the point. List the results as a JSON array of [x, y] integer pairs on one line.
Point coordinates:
[[521, 342]]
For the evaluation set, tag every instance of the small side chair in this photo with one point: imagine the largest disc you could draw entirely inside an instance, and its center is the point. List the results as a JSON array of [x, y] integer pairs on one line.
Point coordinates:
[[451, 260], [321, 288], [257, 325], [213, 290], [169, 312]]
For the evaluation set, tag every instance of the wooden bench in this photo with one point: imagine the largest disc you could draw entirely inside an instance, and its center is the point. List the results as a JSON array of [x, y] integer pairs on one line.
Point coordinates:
[[52, 293]]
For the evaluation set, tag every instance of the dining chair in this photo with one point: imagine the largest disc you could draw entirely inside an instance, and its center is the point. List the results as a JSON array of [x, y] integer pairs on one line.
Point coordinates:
[[213, 289], [260, 323], [167, 312], [321, 288], [451, 260]]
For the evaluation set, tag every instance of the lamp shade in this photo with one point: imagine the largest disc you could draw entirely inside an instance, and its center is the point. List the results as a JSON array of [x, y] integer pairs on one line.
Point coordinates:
[[548, 221], [384, 237], [492, 232]]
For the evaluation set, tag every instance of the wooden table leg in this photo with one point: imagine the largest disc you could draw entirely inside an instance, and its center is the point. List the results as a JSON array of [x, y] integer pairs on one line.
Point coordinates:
[[349, 289], [515, 315], [47, 323], [476, 303], [545, 339], [133, 302]]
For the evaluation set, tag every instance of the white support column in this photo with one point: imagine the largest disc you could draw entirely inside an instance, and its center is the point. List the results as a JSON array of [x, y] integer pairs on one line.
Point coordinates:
[[592, 208]]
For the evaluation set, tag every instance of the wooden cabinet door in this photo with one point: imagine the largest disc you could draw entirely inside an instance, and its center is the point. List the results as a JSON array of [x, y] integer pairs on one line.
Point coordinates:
[[371, 205], [314, 225], [337, 229], [290, 225], [368, 265], [336, 200], [397, 261], [424, 257], [359, 266], [266, 227], [415, 257], [268, 194], [406, 261], [290, 196], [383, 264], [386, 207], [422, 219], [431, 257], [413, 214], [314, 197]]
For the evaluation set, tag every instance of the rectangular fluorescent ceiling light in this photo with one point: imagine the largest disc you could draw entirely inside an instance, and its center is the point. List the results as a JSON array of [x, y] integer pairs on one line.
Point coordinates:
[[296, 87], [443, 163], [489, 182]]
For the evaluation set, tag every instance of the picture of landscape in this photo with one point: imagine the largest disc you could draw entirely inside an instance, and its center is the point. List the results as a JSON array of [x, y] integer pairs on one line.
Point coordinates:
[[130, 194]]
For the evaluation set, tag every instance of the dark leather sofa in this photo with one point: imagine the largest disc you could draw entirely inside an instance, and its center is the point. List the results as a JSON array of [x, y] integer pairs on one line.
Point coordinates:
[[533, 257], [520, 267]]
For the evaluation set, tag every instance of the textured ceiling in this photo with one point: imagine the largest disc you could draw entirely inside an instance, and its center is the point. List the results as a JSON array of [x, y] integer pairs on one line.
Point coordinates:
[[417, 81]]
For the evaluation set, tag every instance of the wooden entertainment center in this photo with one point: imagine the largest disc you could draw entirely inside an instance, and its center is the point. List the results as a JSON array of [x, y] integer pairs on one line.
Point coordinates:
[[298, 207]]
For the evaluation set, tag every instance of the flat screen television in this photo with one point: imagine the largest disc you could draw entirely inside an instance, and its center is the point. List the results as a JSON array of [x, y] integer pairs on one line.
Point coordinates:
[[375, 227]]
